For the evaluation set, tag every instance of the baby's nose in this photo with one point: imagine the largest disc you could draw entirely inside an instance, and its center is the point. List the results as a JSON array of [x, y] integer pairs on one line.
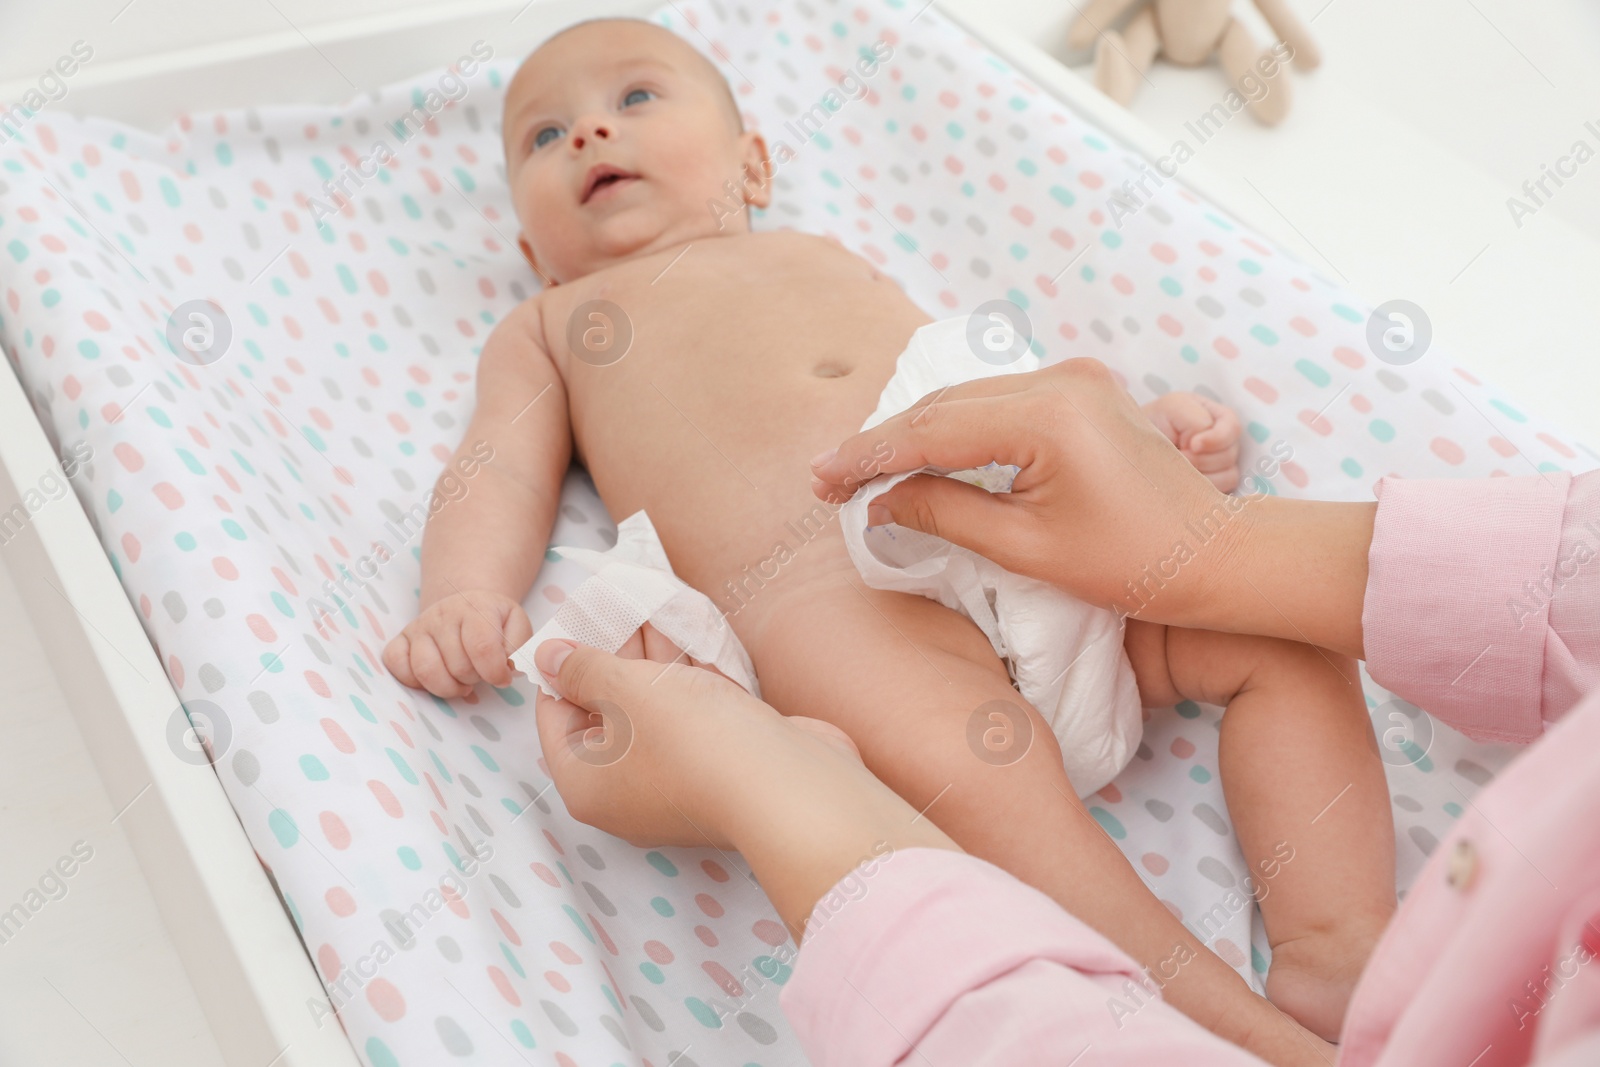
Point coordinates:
[[596, 128]]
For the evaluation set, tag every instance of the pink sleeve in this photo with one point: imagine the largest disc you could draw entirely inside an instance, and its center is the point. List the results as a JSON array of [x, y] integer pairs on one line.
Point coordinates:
[[934, 956], [1483, 599]]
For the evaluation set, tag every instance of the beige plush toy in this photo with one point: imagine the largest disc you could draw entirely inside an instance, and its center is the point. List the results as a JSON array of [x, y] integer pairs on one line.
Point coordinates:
[[1188, 32]]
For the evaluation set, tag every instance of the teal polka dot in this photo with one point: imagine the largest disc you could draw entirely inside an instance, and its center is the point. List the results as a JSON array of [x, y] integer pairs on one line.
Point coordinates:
[[400, 765], [362, 709], [583, 927], [652, 972], [233, 529], [1351, 467], [511, 697], [1017, 297], [313, 769], [194, 465], [159, 417], [1027, 167], [1313, 372], [955, 130], [485, 759], [1199, 774], [281, 602], [1171, 287], [409, 858], [224, 153], [1111, 239], [49, 298], [662, 864], [1258, 962], [89, 349], [169, 192], [1188, 709], [114, 501], [378, 1054], [1019, 251], [1264, 335], [1258, 433], [774, 969], [1381, 430], [1109, 821], [1189, 354], [519, 1029], [439, 765], [1063, 196], [1509, 411], [1249, 266], [18, 250], [271, 663], [283, 827], [663, 907], [1346, 313], [702, 1012]]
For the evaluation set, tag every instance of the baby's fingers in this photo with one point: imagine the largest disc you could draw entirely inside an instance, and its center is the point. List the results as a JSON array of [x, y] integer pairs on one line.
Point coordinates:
[[486, 649], [428, 664], [397, 657]]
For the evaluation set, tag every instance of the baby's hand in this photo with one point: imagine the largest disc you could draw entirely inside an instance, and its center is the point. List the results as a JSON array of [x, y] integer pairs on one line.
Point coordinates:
[[458, 641], [1206, 432]]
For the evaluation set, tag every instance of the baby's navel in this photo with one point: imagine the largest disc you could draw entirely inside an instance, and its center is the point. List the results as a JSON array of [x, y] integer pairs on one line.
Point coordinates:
[[831, 370]]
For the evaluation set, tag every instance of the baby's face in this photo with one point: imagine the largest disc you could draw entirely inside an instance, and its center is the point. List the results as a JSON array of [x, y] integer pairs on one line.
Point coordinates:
[[619, 139]]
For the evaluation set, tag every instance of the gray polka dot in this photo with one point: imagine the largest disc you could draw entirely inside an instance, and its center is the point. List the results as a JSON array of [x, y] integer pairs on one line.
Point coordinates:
[[1160, 809], [1475, 773], [263, 705], [757, 1027], [559, 1018], [175, 606], [1101, 330], [452, 1037], [485, 727], [976, 225], [1144, 752], [214, 608], [246, 767], [1392, 381], [479, 821], [980, 267], [601, 901], [1216, 871], [1209, 815], [1157, 385], [1209, 306], [211, 677], [507, 894], [401, 928], [1439, 401], [119, 375], [572, 514], [469, 785], [614, 1028], [1405, 803], [448, 948], [1423, 840], [588, 854], [1252, 297], [648, 1014], [1130, 324]]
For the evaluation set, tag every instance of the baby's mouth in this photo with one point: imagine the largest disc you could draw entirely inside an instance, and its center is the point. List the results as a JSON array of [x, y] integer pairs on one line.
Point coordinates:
[[601, 178]]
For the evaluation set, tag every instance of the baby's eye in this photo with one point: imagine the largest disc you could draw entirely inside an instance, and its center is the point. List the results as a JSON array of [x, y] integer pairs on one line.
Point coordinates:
[[637, 96], [545, 136]]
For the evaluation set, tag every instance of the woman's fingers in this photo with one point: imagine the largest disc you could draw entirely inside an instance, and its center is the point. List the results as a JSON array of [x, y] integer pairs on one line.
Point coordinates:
[[962, 514]]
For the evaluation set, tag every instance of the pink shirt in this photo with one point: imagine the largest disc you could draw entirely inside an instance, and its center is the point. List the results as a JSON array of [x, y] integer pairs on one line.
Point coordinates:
[[1483, 606]]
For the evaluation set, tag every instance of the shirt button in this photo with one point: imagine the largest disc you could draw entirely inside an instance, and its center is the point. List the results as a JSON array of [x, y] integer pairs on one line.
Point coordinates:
[[1463, 866]]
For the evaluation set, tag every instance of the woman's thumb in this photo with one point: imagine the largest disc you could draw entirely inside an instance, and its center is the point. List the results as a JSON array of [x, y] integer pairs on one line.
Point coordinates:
[[960, 513], [579, 673]]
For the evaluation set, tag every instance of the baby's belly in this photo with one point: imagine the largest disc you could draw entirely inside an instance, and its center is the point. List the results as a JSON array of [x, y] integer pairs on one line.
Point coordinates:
[[725, 475]]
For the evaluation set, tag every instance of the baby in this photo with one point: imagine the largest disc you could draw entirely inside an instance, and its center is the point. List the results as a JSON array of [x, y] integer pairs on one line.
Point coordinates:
[[751, 353]]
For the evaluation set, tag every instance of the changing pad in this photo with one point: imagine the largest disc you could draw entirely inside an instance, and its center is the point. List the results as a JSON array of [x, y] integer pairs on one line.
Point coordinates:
[[260, 507]]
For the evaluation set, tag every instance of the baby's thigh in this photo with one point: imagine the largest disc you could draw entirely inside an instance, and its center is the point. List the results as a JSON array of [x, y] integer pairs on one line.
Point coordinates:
[[915, 685], [1171, 663]]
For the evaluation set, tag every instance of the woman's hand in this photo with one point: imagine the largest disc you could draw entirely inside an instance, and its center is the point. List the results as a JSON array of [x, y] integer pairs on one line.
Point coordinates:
[[662, 752], [1105, 508]]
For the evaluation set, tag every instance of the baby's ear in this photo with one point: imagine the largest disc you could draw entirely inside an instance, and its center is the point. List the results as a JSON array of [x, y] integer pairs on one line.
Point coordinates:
[[758, 169]]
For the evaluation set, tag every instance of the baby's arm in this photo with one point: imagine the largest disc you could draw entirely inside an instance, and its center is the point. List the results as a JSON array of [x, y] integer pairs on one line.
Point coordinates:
[[1207, 433], [483, 548]]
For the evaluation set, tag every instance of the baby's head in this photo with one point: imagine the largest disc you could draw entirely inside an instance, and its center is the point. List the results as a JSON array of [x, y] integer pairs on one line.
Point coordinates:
[[620, 140]]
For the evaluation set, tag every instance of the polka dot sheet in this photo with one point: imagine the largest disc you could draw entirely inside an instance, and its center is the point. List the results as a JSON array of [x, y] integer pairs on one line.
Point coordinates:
[[453, 909]]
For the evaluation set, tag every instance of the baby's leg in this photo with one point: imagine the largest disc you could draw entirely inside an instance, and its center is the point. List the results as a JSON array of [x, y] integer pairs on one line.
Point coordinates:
[[1307, 795], [905, 678]]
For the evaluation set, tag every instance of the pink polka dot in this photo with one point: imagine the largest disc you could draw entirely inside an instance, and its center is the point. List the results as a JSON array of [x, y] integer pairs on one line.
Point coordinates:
[[1164, 253], [225, 568], [658, 952], [1317, 422], [506, 927], [706, 936], [1110, 793], [1502, 446], [709, 905], [315, 681], [1448, 451], [714, 870], [338, 738], [1231, 954], [557, 982], [340, 902], [1260, 389], [772, 933], [545, 874], [261, 627], [96, 321], [168, 494], [1349, 357], [386, 1000], [1155, 863], [565, 954], [328, 960], [128, 456], [719, 974], [334, 829], [1559, 446], [386, 799], [1296, 474], [503, 985], [1182, 747], [130, 547]]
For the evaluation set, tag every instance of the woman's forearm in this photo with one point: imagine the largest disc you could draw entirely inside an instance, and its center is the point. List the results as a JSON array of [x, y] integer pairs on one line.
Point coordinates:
[[1295, 569]]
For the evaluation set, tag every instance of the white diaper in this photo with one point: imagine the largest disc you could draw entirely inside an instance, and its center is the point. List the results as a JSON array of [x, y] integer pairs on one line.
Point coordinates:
[[1064, 655]]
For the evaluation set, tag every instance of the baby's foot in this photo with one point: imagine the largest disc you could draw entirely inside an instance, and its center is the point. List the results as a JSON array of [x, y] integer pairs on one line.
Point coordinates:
[[1207, 433], [1312, 978]]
